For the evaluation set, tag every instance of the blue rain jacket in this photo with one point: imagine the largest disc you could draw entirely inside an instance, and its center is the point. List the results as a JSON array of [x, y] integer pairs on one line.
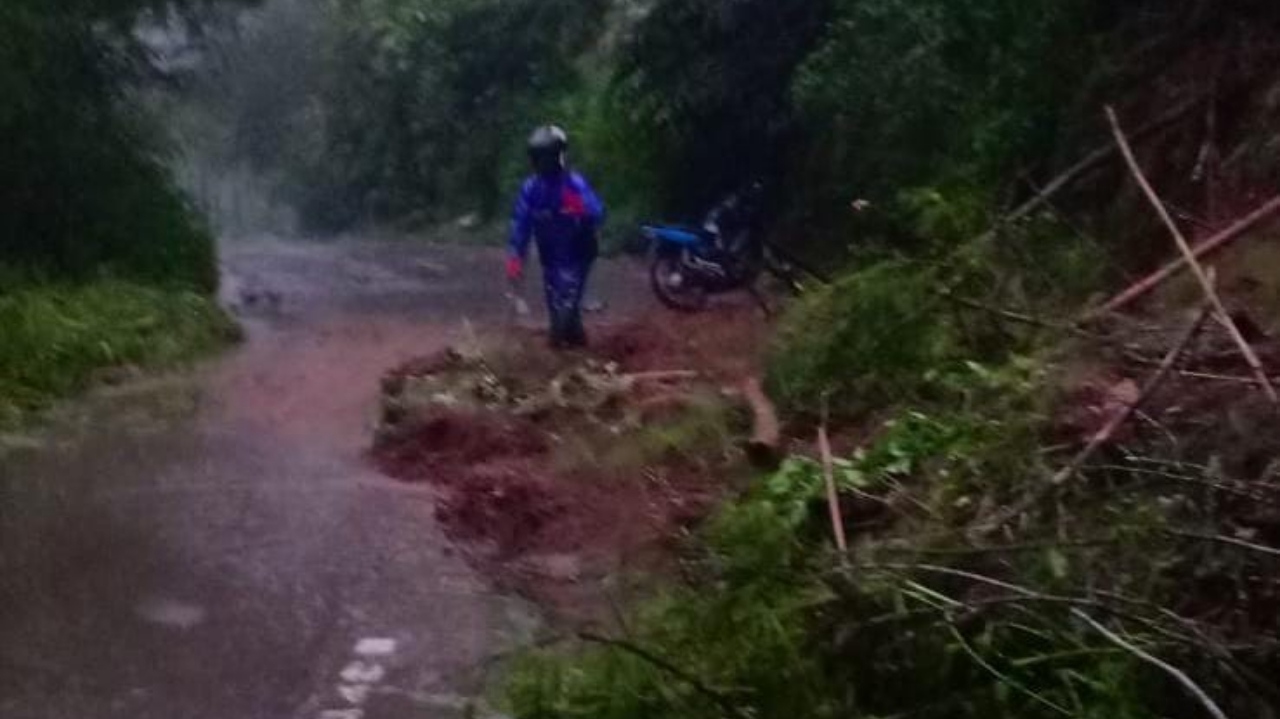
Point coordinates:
[[562, 214]]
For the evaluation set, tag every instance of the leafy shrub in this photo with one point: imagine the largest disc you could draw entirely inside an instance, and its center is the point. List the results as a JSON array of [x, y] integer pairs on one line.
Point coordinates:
[[742, 636], [900, 95], [865, 340], [774, 625], [773, 629], [704, 91], [423, 104], [56, 337], [81, 185]]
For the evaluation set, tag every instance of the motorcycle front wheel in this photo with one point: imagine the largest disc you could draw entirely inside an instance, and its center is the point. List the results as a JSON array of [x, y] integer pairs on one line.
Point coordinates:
[[675, 285]]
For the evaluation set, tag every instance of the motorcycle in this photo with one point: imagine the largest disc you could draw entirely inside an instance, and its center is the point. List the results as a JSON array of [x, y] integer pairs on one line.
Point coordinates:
[[689, 264]]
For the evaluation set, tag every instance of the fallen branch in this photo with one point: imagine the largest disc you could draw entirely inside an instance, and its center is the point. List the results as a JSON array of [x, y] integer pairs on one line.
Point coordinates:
[[1179, 675], [1214, 377], [1240, 490], [1220, 539], [1137, 358], [764, 447], [1216, 242], [1101, 437], [1201, 276], [833, 494], [674, 375], [1000, 676], [1004, 548], [1234, 379], [963, 574], [697, 684], [1019, 317], [1089, 162], [1027, 594]]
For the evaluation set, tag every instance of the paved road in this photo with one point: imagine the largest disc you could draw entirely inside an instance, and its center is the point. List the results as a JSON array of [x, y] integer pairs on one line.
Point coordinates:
[[213, 546]]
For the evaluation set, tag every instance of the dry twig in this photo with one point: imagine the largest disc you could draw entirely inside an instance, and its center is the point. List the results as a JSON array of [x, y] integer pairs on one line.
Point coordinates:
[[1220, 539], [1029, 595], [1189, 256], [1091, 161], [1099, 439], [1001, 676], [697, 684], [1181, 676], [833, 495], [1020, 317], [764, 448], [1219, 240]]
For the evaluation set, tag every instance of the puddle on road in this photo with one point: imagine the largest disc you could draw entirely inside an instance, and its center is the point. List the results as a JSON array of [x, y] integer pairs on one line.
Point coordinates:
[[170, 612]]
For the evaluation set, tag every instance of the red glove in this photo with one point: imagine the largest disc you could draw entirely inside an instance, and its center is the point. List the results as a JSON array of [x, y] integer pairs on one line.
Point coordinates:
[[515, 268]]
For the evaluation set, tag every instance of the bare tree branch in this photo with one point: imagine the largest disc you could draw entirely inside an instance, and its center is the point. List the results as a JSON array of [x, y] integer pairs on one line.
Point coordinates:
[[1099, 439], [1219, 539], [1181, 676], [697, 684], [1206, 284]]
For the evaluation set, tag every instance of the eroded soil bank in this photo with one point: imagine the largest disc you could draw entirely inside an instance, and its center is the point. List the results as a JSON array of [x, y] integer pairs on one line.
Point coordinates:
[[570, 477]]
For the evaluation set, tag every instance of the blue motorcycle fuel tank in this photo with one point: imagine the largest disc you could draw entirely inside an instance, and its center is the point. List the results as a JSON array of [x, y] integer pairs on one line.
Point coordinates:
[[674, 235]]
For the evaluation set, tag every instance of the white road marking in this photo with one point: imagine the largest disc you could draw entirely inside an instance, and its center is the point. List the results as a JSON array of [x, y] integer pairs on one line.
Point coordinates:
[[375, 647], [360, 677], [363, 672], [355, 694], [170, 612]]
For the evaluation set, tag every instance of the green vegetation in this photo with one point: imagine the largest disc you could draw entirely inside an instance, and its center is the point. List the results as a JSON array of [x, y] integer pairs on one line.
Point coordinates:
[[381, 111], [57, 337], [916, 620], [102, 261], [82, 188], [940, 113], [946, 115], [699, 429]]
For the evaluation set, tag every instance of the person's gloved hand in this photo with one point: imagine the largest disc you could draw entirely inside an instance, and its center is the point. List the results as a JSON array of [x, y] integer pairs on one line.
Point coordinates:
[[515, 268]]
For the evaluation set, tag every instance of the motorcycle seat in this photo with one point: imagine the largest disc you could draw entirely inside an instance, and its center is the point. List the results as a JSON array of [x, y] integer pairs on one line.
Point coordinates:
[[681, 234]]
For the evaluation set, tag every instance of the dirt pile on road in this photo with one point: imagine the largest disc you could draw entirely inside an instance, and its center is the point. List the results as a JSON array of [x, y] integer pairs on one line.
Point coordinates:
[[558, 467]]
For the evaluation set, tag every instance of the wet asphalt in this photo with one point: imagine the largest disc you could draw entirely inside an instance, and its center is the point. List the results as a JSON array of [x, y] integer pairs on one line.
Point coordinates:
[[212, 544]]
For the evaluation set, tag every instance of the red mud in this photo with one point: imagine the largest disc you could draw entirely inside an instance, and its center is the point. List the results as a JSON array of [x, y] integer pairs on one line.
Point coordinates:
[[727, 343], [450, 443], [504, 495]]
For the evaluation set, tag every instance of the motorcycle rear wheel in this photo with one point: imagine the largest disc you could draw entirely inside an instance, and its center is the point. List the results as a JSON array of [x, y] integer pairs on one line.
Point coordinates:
[[674, 284]]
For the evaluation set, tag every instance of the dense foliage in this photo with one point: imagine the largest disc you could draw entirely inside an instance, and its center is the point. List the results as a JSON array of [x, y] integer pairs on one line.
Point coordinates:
[[706, 84], [102, 261], [946, 114], [919, 618], [82, 189], [940, 113], [58, 337], [386, 110]]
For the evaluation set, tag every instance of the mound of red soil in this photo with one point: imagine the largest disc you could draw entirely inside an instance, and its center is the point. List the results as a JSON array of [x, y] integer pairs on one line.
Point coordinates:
[[506, 506], [442, 446], [517, 510], [499, 488], [727, 343], [637, 346]]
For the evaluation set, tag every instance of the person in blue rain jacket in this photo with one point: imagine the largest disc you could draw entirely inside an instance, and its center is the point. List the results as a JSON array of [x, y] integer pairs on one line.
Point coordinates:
[[558, 209]]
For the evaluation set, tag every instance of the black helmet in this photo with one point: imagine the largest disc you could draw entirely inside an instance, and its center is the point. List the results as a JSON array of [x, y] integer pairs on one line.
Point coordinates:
[[547, 147]]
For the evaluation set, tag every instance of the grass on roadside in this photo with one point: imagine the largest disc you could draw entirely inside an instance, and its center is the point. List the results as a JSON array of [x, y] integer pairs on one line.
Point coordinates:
[[57, 338]]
